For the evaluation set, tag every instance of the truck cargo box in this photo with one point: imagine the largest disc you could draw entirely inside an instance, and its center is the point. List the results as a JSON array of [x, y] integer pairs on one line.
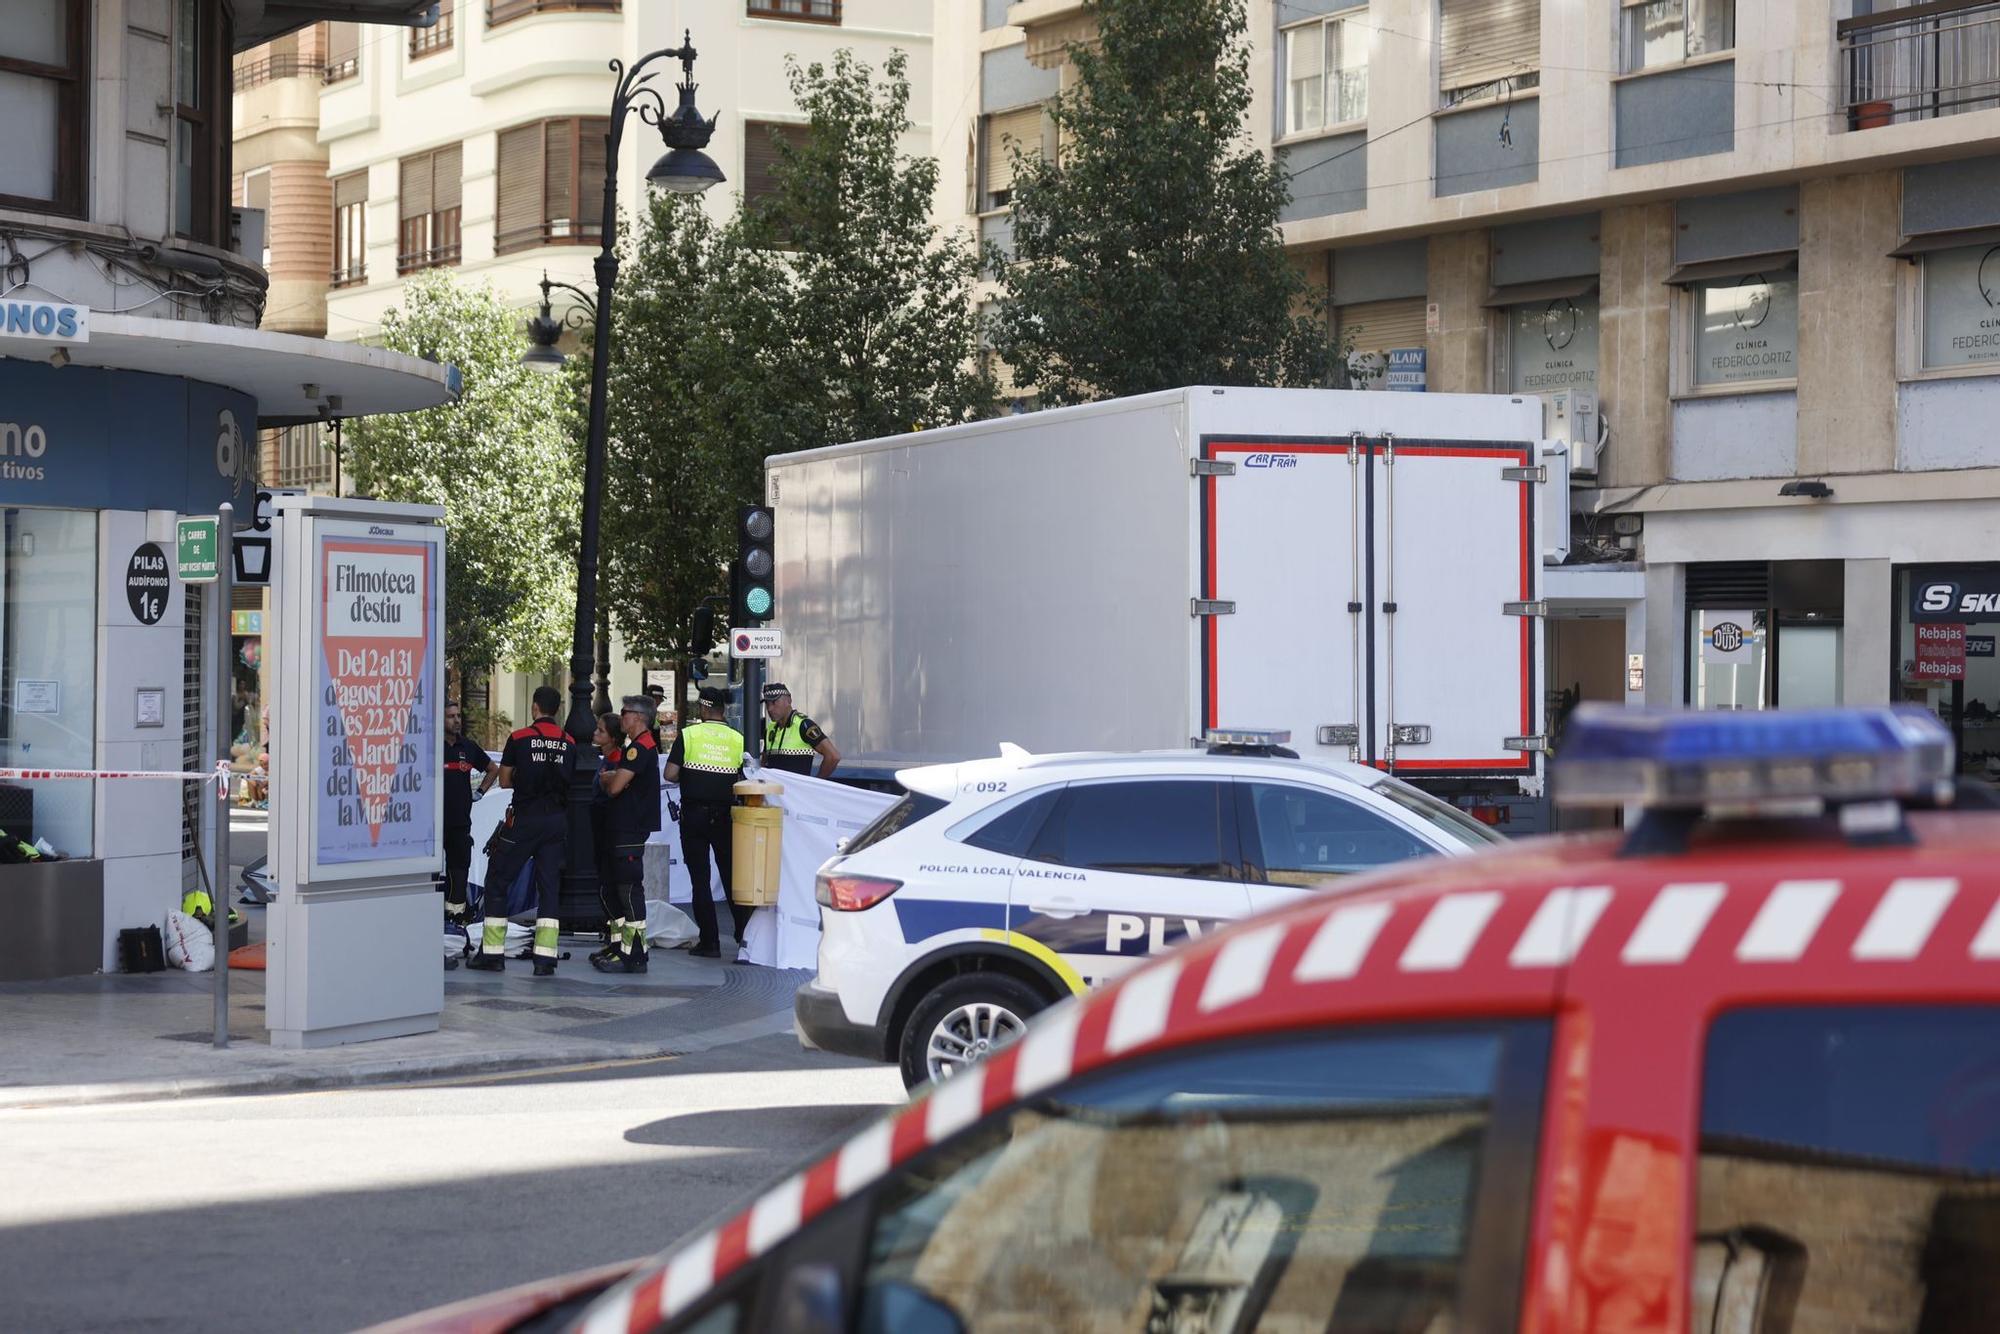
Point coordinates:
[[1362, 569]]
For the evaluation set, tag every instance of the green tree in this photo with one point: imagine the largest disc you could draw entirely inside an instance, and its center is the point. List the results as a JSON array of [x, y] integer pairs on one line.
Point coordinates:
[[831, 311], [500, 461], [1147, 254], [692, 408], [878, 314]]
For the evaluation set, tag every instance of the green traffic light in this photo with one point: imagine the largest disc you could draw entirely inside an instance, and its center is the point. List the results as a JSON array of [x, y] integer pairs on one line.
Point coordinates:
[[757, 601]]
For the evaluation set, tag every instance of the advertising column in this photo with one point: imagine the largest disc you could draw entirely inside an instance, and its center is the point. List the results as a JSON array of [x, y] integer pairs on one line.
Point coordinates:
[[356, 802]]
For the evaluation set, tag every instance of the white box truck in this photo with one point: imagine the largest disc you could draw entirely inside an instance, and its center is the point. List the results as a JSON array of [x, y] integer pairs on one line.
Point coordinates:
[[1362, 569]]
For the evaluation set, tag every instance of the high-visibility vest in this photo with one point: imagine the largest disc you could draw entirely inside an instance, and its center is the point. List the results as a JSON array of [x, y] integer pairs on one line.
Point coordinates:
[[788, 739], [714, 748]]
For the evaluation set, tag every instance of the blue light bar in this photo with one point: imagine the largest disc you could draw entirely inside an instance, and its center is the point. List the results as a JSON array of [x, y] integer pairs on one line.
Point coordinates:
[[1611, 756], [1249, 736]]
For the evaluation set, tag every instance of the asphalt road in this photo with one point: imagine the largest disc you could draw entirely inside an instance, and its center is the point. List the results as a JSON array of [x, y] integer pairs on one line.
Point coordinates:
[[334, 1210]]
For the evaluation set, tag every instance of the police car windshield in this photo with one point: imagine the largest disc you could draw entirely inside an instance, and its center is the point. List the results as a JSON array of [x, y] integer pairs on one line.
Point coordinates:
[[1446, 818]]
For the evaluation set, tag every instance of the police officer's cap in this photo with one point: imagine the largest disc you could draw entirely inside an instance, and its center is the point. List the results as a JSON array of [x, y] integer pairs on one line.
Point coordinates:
[[776, 690], [715, 698]]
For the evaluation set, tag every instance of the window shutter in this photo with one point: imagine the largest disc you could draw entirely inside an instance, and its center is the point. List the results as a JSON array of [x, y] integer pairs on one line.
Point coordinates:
[[1004, 130], [761, 156], [416, 187], [1482, 41], [343, 43], [1378, 326], [518, 214], [447, 177], [590, 176], [350, 189], [559, 177]]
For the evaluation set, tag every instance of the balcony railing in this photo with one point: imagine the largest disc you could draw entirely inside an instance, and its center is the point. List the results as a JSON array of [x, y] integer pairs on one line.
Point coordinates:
[[256, 73], [505, 11], [1921, 61], [437, 37], [344, 68]]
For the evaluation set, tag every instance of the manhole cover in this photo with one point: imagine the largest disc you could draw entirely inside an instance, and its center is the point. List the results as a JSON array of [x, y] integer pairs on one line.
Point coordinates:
[[582, 1012]]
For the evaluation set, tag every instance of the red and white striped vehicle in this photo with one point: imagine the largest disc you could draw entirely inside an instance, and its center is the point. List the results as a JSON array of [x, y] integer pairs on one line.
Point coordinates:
[[1715, 1075]]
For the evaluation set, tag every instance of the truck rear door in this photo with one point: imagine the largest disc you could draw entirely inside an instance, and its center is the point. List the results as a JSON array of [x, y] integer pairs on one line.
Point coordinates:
[[1371, 595]]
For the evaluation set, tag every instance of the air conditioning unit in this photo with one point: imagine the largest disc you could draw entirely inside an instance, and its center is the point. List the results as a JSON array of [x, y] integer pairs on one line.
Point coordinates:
[[1570, 415]]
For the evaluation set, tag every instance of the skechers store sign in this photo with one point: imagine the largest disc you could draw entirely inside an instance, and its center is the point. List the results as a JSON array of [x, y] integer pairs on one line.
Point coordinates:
[[1956, 597], [83, 438]]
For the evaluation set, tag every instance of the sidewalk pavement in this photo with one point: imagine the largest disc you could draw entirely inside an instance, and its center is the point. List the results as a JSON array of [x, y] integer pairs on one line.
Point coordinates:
[[127, 1037]]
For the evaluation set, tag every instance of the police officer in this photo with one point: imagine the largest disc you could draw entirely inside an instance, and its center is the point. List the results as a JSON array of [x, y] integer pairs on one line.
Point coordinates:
[[663, 718], [707, 761], [632, 784], [791, 739], [461, 756], [537, 764]]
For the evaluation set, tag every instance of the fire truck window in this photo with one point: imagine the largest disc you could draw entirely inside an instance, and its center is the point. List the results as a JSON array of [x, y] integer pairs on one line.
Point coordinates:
[[1322, 1184], [1850, 1172]]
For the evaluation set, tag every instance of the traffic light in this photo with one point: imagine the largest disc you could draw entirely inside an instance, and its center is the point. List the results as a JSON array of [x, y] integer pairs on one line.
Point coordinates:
[[752, 593], [701, 633]]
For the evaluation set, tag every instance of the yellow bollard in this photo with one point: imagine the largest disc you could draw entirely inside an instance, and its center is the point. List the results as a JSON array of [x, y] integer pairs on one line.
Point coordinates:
[[756, 830]]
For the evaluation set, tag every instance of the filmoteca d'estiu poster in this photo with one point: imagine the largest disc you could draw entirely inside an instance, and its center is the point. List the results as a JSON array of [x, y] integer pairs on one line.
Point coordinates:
[[378, 714]]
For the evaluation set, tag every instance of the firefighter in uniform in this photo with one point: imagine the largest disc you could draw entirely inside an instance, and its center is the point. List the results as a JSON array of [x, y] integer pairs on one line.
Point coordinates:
[[609, 741], [707, 761], [791, 739], [537, 763], [632, 784], [462, 755]]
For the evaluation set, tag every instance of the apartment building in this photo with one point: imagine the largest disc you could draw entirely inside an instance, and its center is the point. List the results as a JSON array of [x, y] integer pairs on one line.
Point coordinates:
[[1761, 242], [478, 144]]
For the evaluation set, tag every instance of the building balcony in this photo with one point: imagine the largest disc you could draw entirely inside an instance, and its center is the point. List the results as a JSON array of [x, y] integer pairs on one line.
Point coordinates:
[[1920, 61]]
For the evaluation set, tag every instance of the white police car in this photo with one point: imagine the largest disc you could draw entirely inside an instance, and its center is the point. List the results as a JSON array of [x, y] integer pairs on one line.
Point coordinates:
[[996, 887]]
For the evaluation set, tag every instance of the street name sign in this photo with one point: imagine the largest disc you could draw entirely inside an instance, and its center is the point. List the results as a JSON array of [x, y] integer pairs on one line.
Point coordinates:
[[195, 548]]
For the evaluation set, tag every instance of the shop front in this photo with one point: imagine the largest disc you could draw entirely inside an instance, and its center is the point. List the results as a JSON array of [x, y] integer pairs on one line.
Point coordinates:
[[105, 655], [1881, 591]]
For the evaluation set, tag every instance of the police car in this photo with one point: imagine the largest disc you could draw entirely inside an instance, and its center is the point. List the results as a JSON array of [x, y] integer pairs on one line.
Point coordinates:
[[997, 887], [1737, 1071]]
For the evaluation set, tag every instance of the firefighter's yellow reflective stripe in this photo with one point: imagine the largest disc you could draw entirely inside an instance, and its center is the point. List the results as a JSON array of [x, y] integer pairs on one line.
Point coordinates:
[[1036, 949], [493, 938], [546, 931]]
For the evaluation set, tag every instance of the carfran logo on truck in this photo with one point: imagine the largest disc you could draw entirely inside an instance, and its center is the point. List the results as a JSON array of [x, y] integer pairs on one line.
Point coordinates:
[[1271, 461]]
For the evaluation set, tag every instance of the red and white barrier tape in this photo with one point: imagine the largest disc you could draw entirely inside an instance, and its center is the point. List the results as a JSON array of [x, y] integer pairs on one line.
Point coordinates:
[[220, 777]]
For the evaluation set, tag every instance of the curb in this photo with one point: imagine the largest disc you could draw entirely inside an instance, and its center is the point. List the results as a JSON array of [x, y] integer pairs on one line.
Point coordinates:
[[391, 1071], [410, 1070]]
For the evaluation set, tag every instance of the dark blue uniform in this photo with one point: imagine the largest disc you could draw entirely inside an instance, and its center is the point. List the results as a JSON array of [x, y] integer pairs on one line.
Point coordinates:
[[541, 760], [461, 759], [630, 818]]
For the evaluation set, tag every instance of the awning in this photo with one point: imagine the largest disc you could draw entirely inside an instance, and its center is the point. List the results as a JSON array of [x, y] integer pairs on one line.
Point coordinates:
[[1741, 266], [1551, 289], [258, 21], [276, 369], [1925, 243]]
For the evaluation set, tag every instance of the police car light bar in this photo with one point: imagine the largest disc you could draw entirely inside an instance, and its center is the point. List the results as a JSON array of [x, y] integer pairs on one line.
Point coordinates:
[[1248, 736], [1612, 756]]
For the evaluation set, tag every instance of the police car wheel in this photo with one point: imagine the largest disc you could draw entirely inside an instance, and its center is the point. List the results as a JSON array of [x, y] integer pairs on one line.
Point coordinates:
[[961, 1022]]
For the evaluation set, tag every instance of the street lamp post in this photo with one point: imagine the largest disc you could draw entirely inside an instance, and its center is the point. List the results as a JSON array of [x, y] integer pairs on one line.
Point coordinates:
[[684, 169]]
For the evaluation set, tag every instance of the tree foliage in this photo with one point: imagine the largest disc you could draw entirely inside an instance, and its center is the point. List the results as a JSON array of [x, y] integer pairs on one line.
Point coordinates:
[[500, 461], [1147, 253], [830, 311]]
